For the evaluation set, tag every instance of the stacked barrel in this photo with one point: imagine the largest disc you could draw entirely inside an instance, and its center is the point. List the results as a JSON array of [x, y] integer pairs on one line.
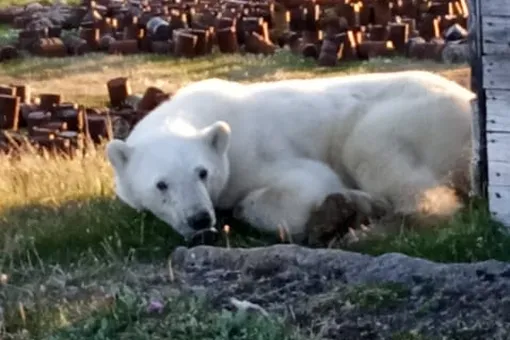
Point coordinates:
[[326, 30], [50, 124]]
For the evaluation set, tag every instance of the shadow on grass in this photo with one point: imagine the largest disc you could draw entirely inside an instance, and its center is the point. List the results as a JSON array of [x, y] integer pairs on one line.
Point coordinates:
[[92, 237], [127, 316], [63, 233], [105, 228], [96, 228], [470, 237]]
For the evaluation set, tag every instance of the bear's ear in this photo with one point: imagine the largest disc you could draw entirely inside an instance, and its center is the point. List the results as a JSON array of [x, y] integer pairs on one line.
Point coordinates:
[[217, 135], [118, 153]]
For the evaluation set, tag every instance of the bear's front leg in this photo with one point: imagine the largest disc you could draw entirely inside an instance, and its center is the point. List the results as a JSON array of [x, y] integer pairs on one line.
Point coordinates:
[[286, 203], [342, 215]]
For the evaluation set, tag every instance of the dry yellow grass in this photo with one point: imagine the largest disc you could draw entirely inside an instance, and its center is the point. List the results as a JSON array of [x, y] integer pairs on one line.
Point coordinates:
[[83, 78], [51, 181]]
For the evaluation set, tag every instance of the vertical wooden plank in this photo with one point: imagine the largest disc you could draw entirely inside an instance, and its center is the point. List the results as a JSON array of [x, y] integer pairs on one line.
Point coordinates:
[[499, 175], [498, 110], [475, 53], [496, 72], [498, 146], [498, 150], [499, 200], [496, 35], [476, 166], [494, 148], [495, 7], [479, 162]]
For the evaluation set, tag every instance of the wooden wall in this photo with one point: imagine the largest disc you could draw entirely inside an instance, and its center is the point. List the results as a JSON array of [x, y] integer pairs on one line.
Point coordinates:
[[495, 59]]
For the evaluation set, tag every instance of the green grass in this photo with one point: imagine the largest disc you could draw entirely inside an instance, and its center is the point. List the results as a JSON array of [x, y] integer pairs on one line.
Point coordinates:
[[375, 296], [471, 236], [59, 218], [132, 314], [408, 336], [180, 319]]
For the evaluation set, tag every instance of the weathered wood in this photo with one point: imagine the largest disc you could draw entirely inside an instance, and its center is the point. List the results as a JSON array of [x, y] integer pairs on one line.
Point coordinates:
[[496, 72], [499, 203], [495, 7], [496, 35], [474, 36], [498, 147], [472, 15], [476, 164], [498, 191], [498, 110], [479, 163], [499, 174], [490, 69]]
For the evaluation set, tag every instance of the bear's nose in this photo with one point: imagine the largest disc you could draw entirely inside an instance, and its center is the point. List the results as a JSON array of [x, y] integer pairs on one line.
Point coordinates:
[[199, 221]]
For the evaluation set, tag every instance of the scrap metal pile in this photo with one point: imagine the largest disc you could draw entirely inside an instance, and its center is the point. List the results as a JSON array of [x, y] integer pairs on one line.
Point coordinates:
[[50, 124], [327, 30]]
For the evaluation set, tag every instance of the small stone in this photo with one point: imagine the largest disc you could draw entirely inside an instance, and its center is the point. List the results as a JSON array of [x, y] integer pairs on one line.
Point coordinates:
[[155, 307]]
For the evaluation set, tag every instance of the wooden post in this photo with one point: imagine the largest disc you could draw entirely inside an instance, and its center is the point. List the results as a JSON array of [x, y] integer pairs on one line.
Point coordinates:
[[479, 169], [489, 25], [476, 166]]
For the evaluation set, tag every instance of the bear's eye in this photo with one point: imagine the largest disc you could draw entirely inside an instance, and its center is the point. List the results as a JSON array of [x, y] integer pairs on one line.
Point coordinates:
[[161, 185], [202, 174]]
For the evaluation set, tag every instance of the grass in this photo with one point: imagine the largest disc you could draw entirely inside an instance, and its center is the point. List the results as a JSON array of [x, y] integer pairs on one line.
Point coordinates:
[[471, 236], [83, 79], [372, 296], [181, 318], [132, 314], [60, 222]]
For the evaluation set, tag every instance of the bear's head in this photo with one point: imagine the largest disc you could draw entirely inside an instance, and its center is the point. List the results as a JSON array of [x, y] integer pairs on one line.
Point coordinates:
[[176, 177]]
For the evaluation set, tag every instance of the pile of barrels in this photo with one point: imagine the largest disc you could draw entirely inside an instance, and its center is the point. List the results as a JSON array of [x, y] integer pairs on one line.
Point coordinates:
[[327, 30], [48, 123]]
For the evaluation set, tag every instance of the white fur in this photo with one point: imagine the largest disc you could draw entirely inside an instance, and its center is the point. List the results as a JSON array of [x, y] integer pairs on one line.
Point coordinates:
[[286, 145]]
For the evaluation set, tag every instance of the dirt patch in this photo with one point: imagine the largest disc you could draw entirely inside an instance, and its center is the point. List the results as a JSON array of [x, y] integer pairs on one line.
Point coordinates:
[[352, 296]]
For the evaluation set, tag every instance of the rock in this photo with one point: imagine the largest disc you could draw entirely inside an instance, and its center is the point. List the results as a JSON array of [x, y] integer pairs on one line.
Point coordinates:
[[34, 7], [39, 24], [355, 296], [456, 52]]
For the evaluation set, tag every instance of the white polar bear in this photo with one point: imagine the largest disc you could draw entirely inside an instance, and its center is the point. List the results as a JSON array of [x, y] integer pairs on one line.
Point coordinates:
[[273, 151]]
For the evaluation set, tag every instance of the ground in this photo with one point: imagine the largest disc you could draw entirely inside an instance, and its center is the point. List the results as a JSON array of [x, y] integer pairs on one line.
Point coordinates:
[[75, 261]]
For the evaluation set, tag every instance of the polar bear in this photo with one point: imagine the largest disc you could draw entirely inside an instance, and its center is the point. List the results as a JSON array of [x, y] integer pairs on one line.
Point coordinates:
[[273, 151]]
